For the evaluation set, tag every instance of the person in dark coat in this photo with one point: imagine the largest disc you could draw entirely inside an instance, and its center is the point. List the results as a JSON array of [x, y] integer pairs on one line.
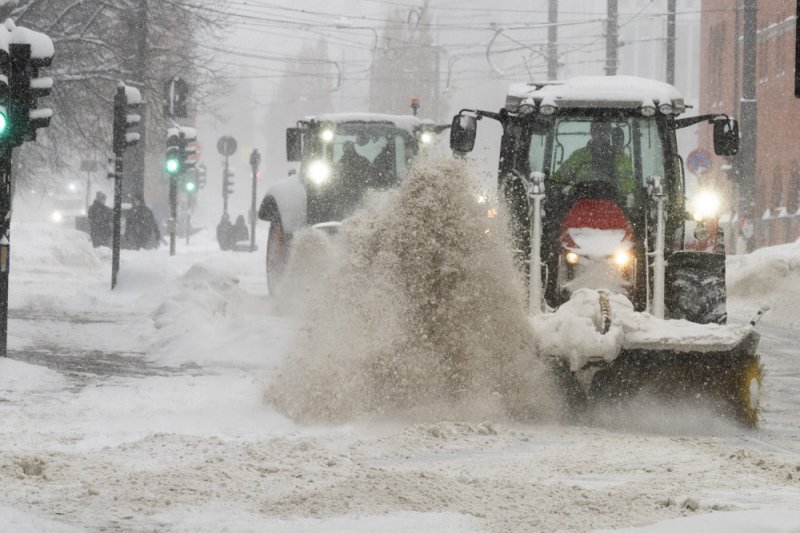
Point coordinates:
[[141, 228], [225, 233], [240, 231], [100, 221]]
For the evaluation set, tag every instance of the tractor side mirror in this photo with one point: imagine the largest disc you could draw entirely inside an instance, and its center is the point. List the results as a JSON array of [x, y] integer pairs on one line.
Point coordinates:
[[294, 144], [462, 133], [726, 136]]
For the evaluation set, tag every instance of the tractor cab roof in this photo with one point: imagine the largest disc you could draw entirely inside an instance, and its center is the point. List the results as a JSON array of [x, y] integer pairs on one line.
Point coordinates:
[[407, 123], [597, 92]]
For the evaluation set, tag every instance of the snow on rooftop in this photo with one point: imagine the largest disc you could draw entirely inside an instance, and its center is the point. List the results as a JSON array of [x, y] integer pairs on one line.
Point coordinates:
[[613, 89]]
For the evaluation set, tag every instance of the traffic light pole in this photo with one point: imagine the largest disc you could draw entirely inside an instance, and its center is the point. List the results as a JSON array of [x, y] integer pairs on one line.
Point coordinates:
[[225, 188], [173, 211], [5, 244], [117, 229]]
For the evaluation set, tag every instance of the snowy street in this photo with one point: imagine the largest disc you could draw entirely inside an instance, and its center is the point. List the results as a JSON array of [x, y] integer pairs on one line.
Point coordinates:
[[142, 409]]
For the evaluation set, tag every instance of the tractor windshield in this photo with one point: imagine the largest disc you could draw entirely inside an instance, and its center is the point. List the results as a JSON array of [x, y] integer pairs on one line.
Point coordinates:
[[620, 150], [374, 152]]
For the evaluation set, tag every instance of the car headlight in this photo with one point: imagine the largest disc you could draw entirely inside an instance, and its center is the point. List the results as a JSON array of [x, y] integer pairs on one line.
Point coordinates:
[[319, 172], [572, 258], [705, 205], [57, 217]]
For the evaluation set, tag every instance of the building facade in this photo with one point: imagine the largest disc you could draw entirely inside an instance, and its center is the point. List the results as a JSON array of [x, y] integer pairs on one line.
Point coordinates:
[[776, 216]]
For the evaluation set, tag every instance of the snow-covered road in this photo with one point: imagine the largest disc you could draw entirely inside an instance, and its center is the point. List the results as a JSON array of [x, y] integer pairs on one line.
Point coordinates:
[[143, 409]]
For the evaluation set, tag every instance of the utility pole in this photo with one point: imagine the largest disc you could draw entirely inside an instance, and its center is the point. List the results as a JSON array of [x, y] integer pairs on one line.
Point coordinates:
[[671, 42], [749, 111], [552, 40], [612, 40]]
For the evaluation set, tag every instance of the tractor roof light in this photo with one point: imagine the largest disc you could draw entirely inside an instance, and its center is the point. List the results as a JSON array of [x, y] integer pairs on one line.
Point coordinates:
[[648, 109], [527, 107], [548, 107], [665, 108], [326, 135]]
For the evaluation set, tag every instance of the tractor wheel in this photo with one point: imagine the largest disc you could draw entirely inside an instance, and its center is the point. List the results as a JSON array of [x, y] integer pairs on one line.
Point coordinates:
[[277, 255], [696, 287], [573, 396]]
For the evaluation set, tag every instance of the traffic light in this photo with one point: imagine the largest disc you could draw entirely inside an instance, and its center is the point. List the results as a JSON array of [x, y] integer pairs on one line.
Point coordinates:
[[126, 117], [190, 183], [188, 148], [201, 176], [172, 161], [227, 182], [181, 152], [27, 52]]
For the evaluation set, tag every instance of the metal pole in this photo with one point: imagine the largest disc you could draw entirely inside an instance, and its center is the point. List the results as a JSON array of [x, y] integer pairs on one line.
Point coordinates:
[[552, 40], [5, 245], [173, 211], [749, 110], [116, 237], [671, 42], [225, 188], [255, 160], [612, 41]]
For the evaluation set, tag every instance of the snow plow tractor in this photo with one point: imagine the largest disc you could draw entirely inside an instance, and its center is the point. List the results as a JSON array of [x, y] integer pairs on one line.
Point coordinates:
[[623, 299], [342, 157]]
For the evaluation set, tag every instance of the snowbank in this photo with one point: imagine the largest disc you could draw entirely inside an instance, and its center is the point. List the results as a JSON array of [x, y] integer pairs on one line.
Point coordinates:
[[766, 277]]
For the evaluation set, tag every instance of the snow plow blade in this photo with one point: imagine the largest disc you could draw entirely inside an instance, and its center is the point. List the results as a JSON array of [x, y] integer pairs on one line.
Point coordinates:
[[613, 360], [728, 379]]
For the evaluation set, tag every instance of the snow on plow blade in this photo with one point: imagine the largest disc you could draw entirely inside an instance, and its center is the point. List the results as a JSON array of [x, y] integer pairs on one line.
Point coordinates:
[[712, 365]]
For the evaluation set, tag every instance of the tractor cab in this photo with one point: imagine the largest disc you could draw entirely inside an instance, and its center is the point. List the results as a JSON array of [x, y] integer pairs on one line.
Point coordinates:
[[343, 156]]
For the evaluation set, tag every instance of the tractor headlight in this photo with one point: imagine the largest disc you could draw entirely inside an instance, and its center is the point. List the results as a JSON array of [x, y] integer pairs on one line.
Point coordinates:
[[572, 258], [57, 217], [705, 205], [648, 110], [426, 137], [326, 135], [622, 258], [318, 172]]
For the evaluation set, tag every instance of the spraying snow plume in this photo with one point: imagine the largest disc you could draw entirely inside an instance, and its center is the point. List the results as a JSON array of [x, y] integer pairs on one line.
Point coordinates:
[[413, 310]]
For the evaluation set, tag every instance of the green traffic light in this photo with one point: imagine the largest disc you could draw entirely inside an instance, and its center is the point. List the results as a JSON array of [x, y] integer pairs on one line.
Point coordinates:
[[172, 166], [190, 186], [3, 123]]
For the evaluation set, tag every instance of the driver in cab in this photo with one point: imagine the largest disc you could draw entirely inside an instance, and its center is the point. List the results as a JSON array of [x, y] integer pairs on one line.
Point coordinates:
[[602, 159]]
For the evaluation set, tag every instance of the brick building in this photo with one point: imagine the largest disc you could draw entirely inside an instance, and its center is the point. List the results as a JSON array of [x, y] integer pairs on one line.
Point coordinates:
[[777, 191]]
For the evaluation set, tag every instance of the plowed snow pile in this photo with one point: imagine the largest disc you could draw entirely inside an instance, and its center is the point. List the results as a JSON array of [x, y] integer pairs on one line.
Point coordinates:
[[413, 311]]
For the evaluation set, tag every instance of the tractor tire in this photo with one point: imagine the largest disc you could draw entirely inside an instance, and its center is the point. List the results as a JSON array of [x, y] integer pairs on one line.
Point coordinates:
[[277, 255], [573, 397], [695, 283]]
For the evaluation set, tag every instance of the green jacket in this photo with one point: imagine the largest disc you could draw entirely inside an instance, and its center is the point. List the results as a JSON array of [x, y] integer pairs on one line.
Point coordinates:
[[579, 168]]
